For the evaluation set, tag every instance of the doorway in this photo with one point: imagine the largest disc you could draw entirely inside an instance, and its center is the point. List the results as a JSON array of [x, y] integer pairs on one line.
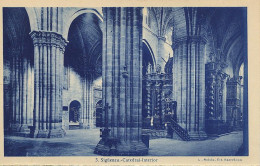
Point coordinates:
[[74, 113], [99, 114]]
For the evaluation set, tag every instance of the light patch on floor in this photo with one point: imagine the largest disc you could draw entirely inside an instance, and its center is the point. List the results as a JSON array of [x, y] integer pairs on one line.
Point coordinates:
[[83, 143]]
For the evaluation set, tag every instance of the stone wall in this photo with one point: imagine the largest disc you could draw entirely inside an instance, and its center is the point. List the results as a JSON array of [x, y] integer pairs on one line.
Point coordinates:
[[74, 91]]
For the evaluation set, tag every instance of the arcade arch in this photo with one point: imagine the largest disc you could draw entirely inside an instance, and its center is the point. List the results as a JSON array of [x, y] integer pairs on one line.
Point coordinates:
[[74, 13], [82, 64], [18, 70]]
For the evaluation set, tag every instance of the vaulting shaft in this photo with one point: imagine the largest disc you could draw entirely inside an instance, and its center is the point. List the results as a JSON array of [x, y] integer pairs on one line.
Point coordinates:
[[122, 82], [189, 84]]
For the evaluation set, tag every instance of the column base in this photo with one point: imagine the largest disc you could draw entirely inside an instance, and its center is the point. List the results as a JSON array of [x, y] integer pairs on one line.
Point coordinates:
[[198, 135], [15, 127], [25, 128], [84, 126], [20, 130], [114, 147], [132, 149], [87, 126], [54, 133]]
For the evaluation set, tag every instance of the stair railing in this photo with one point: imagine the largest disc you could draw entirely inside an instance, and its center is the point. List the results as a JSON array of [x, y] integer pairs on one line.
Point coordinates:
[[179, 130]]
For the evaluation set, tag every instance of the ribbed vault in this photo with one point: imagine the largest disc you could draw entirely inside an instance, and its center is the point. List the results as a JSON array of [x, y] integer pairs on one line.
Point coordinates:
[[16, 32], [85, 44], [227, 29]]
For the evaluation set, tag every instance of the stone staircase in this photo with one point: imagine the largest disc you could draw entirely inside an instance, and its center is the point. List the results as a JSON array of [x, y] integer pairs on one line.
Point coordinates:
[[198, 136], [74, 127], [175, 128]]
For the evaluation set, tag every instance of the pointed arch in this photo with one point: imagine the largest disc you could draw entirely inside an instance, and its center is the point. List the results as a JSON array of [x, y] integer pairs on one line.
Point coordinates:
[[32, 18], [147, 45], [74, 15]]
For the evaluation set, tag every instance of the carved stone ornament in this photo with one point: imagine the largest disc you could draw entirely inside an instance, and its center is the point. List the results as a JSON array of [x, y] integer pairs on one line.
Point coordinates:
[[48, 38]]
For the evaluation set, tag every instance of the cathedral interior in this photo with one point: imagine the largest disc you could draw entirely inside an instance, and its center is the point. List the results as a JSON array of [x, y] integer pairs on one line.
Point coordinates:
[[125, 80]]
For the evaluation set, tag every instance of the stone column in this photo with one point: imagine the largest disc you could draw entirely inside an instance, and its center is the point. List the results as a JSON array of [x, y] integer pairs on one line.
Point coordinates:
[[189, 84], [16, 87], [25, 111], [161, 51], [92, 125], [224, 77], [30, 95], [122, 83], [7, 89], [83, 116], [21, 112], [48, 75], [241, 98], [90, 101], [87, 110], [86, 124]]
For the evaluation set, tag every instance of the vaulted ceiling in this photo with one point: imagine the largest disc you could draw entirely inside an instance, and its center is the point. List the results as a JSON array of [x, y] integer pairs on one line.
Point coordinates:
[[16, 29], [167, 17], [227, 31], [84, 50], [224, 28]]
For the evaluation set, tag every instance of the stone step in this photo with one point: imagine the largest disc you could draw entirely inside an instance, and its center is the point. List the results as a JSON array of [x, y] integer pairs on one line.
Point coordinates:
[[198, 136], [74, 127], [21, 134]]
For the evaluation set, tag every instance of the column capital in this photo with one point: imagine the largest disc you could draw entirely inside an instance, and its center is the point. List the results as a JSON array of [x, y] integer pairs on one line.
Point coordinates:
[[48, 38], [162, 38]]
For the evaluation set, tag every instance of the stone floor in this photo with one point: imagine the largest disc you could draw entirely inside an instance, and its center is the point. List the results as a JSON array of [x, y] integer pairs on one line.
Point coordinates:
[[226, 145], [83, 142]]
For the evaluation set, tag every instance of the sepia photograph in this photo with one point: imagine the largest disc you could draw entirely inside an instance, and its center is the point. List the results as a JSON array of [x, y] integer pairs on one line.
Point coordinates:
[[135, 82]]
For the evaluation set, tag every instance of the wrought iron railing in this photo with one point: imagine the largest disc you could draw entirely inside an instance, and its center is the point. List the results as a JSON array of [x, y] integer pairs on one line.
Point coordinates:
[[182, 133]]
